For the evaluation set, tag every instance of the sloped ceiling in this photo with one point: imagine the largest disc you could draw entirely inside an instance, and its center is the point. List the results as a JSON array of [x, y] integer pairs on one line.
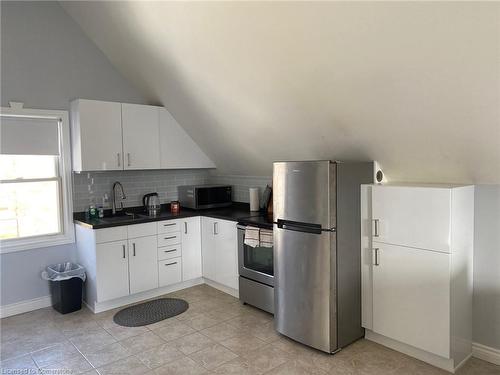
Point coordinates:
[[414, 85]]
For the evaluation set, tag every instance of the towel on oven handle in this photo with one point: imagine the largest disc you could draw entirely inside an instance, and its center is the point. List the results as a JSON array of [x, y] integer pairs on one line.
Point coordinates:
[[266, 238], [252, 236], [255, 237]]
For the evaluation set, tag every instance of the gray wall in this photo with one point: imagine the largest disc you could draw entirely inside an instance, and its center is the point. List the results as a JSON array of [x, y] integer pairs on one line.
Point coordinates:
[[486, 307], [46, 61]]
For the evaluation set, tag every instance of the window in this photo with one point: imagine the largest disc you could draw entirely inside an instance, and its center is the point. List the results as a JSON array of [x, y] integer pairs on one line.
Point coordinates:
[[35, 175]]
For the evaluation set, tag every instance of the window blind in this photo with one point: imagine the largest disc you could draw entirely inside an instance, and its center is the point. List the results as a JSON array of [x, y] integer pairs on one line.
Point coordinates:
[[29, 135]]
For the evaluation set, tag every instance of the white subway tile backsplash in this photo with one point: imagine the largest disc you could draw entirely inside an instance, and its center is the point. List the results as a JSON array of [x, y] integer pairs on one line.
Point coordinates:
[[93, 185]]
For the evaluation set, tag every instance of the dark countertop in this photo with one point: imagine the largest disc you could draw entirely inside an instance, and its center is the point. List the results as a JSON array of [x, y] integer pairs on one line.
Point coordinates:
[[236, 212]]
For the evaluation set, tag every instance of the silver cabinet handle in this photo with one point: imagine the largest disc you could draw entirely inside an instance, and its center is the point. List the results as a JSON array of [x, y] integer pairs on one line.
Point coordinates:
[[128, 159], [170, 238], [170, 264], [168, 225], [133, 249], [185, 227], [169, 251], [375, 228], [123, 246], [215, 228], [118, 158], [377, 261]]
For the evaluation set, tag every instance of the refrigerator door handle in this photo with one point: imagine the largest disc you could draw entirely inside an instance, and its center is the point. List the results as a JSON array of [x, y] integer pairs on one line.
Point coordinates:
[[301, 227]]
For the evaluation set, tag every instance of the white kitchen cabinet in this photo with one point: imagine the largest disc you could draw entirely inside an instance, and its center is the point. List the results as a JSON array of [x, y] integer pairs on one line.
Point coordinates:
[[417, 217], [416, 253], [226, 241], [191, 248], [170, 271], [111, 266], [143, 260], [208, 247], [141, 147], [96, 135], [411, 297], [220, 251], [122, 136], [177, 149], [125, 264]]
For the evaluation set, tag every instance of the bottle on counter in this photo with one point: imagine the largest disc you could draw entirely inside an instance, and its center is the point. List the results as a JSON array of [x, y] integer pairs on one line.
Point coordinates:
[[92, 212]]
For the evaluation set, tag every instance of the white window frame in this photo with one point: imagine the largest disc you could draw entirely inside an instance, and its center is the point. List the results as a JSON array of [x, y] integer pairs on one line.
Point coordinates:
[[67, 235]]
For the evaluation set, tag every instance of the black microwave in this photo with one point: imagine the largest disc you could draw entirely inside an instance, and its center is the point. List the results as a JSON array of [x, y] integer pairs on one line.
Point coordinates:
[[205, 196]]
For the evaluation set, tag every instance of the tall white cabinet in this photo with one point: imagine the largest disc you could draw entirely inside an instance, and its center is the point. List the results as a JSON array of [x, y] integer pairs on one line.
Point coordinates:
[[417, 245]]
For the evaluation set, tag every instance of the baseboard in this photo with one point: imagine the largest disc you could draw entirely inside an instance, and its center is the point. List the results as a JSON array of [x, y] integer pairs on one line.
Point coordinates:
[[433, 359], [25, 306], [222, 288], [486, 353]]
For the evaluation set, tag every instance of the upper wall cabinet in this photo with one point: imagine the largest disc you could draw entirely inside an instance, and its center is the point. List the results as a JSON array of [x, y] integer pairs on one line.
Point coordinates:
[[96, 135], [141, 146], [178, 150], [120, 136]]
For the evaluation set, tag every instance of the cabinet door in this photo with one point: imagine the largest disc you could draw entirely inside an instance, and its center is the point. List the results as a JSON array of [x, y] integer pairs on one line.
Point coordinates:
[[141, 147], [177, 149], [411, 297], [208, 247], [97, 135], [112, 270], [170, 271], [191, 248], [412, 216], [143, 255], [226, 240]]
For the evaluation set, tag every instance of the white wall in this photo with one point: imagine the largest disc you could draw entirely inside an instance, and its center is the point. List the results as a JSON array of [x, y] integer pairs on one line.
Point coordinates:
[[486, 308], [46, 61]]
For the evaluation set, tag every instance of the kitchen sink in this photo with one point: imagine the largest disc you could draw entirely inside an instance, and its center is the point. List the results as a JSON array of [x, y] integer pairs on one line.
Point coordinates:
[[127, 216]]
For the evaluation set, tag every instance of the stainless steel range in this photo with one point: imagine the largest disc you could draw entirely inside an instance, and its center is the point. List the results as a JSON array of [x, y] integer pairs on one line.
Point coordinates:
[[256, 267]]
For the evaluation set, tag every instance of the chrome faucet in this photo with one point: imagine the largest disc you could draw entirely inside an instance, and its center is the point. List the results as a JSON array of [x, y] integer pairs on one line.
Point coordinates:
[[113, 197]]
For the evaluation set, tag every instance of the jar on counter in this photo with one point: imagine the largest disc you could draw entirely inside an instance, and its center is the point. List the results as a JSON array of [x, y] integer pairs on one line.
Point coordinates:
[[175, 207]]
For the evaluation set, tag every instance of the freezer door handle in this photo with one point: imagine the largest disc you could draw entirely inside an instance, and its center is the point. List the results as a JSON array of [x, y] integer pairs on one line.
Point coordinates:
[[297, 226]]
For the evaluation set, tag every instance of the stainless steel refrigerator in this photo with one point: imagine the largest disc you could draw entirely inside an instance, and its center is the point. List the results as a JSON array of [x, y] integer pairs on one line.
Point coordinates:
[[317, 263]]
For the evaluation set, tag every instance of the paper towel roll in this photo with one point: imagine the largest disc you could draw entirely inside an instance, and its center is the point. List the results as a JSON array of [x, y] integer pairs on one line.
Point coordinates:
[[254, 199]]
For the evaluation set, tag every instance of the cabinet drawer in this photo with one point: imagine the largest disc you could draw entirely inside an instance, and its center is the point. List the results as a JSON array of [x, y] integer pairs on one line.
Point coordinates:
[[170, 271], [168, 252], [110, 234], [167, 239], [141, 230], [168, 226]]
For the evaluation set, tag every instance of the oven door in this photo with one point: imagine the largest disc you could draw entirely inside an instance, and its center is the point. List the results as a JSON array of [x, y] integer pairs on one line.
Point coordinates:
[[255, 263]]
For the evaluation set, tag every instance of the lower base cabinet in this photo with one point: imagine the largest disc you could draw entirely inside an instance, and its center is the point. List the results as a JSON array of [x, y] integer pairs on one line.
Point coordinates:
[[143, 259], [170, 271], [220, 251], [126, 260], [111, 269]]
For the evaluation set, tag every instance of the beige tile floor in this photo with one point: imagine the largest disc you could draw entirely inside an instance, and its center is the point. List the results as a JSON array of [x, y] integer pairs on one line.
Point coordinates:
[[217, 335]]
